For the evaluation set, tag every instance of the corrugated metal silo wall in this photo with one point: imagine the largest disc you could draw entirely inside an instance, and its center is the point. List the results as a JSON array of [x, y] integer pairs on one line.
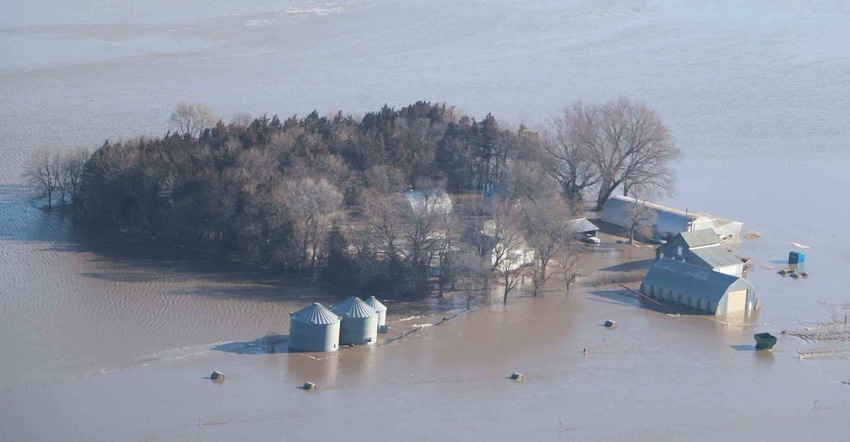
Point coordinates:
[[314, 337], [358, 330]]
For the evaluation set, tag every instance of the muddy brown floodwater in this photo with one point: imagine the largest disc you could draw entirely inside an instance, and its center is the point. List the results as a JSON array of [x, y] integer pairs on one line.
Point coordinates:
[[123, 349], [105, 337]]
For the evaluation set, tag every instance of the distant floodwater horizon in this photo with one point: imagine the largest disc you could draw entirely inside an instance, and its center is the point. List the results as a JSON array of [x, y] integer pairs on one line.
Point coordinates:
[[109, 336]]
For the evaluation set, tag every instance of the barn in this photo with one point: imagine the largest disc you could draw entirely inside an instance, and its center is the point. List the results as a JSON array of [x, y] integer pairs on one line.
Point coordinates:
[[698, 288], [668, 221], [701, 248]]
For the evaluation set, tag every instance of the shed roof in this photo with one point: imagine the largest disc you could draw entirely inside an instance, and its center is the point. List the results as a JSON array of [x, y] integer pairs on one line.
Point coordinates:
[[354, 307], [687, 278], [375, 304], [700, 238], [580, 225], [716, 256], [315, 313]]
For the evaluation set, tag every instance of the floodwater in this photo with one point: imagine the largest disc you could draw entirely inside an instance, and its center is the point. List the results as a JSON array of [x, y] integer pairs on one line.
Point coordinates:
[[109, 337]]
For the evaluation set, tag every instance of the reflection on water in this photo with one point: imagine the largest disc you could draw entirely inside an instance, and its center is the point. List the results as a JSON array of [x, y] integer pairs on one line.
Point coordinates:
[[271, 344]]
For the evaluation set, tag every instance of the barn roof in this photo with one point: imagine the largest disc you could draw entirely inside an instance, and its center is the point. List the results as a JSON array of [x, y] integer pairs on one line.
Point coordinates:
[[700, 238], [687, 278], [716, 256], [618, 202], [315, 313], [354, 307]]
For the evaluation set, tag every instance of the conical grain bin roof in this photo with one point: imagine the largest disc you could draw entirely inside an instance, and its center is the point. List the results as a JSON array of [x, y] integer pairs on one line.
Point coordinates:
[[375, 304], [314, 328], [315, 313], [354, 307], [380, 308], [359, 322]]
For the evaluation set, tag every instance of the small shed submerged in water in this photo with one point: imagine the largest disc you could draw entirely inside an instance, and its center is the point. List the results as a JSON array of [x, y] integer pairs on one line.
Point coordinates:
[[359, 322], [314, 328]]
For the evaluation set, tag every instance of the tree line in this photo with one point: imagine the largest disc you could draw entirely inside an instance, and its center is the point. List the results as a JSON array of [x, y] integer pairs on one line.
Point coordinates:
[[323, 196]]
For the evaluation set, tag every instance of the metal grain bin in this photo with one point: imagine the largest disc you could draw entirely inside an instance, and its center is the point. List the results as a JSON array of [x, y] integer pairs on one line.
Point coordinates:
[[380, 308], [314, 328], [359, 322]]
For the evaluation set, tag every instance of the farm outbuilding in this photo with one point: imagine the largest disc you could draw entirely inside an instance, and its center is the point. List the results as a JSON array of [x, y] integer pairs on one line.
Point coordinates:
[[701, 248], [582, 226], [380, 308], [667, 221], [701, 289], [314, 328], [359, 322]]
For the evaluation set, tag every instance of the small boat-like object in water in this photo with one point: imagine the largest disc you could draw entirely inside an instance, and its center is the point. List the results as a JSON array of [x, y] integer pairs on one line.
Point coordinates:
[[764, 341]]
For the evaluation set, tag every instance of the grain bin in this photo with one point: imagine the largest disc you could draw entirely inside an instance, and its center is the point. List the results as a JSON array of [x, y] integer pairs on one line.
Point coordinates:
[[314, 328], [380, 308], [359, 322]]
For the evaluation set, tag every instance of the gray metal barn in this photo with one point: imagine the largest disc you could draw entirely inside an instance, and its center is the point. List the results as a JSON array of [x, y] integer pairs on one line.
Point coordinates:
[[380, 308], [702, 289], [668, 221], [359, 322], [314, 328], [701, 248]]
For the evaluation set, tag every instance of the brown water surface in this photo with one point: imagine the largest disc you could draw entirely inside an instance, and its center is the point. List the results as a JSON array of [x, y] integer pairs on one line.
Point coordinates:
[[108, 336]]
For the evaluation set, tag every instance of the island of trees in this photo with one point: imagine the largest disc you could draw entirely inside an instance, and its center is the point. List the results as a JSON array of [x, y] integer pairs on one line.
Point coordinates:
[[330, 197]]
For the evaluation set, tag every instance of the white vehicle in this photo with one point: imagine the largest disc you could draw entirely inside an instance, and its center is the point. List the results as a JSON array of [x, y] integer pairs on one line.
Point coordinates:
[[591, 239]]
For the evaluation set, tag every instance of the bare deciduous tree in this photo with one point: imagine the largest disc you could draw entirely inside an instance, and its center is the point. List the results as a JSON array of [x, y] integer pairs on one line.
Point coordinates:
[[571, 162], [567, 263], [42, 171], [72, 167], [627, 143], [508, 253], [311, 204], [546, 224], [192, 119], [473, 276], [639, 217]]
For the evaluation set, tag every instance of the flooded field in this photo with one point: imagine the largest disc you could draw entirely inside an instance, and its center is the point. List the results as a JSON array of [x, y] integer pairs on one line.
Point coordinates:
[[112, 337]]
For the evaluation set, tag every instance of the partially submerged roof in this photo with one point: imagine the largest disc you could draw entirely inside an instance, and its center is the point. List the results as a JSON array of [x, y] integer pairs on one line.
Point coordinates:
[[581, 225], [700, 238], [314, 313], [716, 256], [354, 307], [688, 278]]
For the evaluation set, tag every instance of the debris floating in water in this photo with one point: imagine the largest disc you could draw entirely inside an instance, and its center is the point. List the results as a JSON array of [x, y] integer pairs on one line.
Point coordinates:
[[610, 324], [309, 386], [517, 376], [217, 376]]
